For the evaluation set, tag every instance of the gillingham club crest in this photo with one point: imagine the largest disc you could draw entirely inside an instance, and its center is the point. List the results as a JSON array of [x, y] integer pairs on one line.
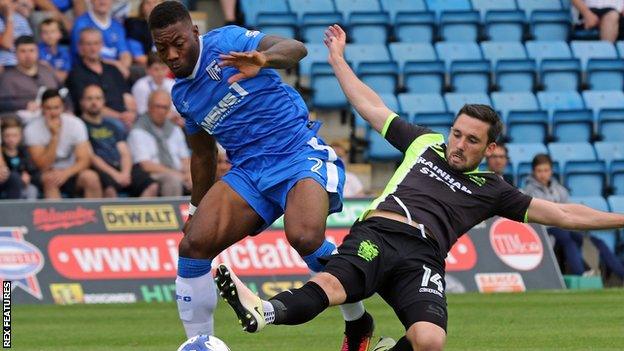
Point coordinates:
[[20, 261]]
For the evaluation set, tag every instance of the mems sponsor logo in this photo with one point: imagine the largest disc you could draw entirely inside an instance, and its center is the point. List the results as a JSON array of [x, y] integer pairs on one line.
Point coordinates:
[[499, 282], [139, 217], [516, 244]]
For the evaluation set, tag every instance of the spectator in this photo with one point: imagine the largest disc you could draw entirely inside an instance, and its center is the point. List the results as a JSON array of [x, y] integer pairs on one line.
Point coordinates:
[[50, 52], [602, 14], [59, 146], [56, 9], [16, 157], [542, 185], [497, 163], [114, 50], [156, 79], [228, 7], [223, 163], [159, 146], [353, 186], [111, 157], [139, 36], [10, 185], [12, 26], [20, 85], [91, 70]]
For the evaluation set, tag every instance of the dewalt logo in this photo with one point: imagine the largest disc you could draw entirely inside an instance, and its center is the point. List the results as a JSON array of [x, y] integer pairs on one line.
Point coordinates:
[[139, 217], [67, 294]]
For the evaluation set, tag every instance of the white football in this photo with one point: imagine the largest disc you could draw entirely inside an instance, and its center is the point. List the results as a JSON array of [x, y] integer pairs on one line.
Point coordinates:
[[204, 343]]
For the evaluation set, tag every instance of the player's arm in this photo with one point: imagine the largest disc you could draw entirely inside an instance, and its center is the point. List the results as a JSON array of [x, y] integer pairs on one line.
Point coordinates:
[[203, 164], [281, 52], [572, 216], [367, 103]]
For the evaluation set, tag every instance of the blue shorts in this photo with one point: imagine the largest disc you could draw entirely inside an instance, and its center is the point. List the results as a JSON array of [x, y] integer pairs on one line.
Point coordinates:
[[265, 188]]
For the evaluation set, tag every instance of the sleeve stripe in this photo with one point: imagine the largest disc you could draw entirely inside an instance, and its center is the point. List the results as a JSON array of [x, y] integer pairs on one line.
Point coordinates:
[[389, 120], [526, 216]]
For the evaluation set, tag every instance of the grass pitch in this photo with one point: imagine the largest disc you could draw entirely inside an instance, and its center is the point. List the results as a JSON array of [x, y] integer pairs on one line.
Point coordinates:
[[562, 320]]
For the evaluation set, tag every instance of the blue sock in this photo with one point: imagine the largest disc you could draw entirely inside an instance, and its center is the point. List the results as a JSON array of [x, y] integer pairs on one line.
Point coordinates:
[[193, 267], [311, 260]]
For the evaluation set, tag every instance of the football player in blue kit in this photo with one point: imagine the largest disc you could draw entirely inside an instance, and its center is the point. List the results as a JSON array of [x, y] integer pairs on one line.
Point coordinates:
[[227, 91]]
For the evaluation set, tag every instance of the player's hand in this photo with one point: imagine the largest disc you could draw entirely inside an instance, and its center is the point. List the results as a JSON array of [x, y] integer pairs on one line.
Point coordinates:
[[248, 63], [335, 40], [590, 20]]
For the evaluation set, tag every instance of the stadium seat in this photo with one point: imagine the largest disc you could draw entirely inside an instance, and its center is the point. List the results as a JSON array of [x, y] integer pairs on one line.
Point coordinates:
[[611, 124], [369, 27], [346, 7], [605, 104], [540, 50], [514, 101], [313, 25], [316, 53], [527, 126], [598, 203], [438, 122], [586, 50], [280, 24], [327, 93], [415, 27], [573, 125], [609, 151], [605, 74], [585, 178], [521, 155], [550, 25], [251, 9], [529, 6], [439, 6], [558, 70], [504, 25], [391, 102], [428, 110], [356, 53], [421, 70], [403, 52], [380, 149], [394, 7], [616, 175], [483, 6], [459, 26], [620, 48], [382, 77], [564, 152], [469, 72], [455, 101], [616, 202], [301, 7], [560, 100], [513, 71]]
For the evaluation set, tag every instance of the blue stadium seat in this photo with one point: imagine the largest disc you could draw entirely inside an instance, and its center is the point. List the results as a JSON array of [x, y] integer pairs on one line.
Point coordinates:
[[560, 100], [391, 102], [564, 152], [459, 26], [415, 27], [586, 50], [316, 53], [605, 74], [424, 73], [301, 7], [393, 7], [609, 151], [521, 155], [529, 6], [403, 52], [251, 9], [280, 24], [550, 25], [598, 203], [314, 24], [380, 149], [369, 27], [611, 124], [527, 126], [438, 122], [604, 103], [572, 122], [483, 6], [585, 178], [327, 93], [616, 202], [382, 77], [558, 70], [469, 72], [504, 25], [616, 174], [512, 69], [439, 6], [620, 48], [514, 101], [356, 53], [419, 104], [455, 101], [346, 7]]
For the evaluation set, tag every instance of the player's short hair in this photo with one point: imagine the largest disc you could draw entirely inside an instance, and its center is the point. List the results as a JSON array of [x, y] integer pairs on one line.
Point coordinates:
[[541, 159], [49, 94], [486, 114], [168, 13], [24, 40], [49, 21]]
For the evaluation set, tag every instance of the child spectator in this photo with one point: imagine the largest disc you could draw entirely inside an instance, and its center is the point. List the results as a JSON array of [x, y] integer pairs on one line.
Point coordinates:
[[156, 79], [16, 157], [50, 52]]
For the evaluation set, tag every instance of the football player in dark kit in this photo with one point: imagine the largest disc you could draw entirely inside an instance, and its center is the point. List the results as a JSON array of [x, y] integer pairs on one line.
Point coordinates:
[[398, 245]]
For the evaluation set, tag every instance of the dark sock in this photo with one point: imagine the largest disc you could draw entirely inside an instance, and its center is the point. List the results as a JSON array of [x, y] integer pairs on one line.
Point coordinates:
[[402, 345], [360, 326], [298, 306]]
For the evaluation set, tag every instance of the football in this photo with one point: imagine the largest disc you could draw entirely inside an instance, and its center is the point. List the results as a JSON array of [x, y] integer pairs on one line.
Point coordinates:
[[204, 343]]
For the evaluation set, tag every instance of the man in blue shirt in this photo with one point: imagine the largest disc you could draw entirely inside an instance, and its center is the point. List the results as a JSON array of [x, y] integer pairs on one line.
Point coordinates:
[[226, 90]]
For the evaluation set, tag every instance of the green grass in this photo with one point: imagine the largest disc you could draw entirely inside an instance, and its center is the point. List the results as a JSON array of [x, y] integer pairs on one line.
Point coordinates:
[[563, 320]]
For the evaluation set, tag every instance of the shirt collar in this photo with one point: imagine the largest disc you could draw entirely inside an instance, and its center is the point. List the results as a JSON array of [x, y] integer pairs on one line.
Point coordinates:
[[100, 25]]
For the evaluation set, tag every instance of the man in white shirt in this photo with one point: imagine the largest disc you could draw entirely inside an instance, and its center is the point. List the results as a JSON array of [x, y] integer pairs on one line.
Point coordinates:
[[159, 146], [59, 146], [602, 14]]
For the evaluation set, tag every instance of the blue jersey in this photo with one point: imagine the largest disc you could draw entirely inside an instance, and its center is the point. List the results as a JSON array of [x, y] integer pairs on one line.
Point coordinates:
[[259, 117], [113, 36], [60, 61]]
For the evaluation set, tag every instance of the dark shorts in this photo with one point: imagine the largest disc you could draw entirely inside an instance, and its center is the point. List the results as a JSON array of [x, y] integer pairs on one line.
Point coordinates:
[[140, 180], [69, 187], [393, 259]]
